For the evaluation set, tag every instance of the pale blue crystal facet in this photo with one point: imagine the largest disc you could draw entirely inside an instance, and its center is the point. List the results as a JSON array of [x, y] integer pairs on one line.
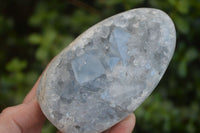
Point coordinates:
[[87, 68], [120, 38]]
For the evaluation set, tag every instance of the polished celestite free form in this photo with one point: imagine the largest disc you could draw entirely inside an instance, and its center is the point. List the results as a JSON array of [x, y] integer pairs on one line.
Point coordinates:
[[108, 71]]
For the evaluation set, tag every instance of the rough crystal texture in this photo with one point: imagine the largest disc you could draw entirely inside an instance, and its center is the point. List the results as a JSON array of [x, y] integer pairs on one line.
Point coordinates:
[[107, 72]]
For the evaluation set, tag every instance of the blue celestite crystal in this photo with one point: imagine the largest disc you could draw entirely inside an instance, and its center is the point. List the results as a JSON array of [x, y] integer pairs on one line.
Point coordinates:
[[86, 68], [107, 72], [120, 38]]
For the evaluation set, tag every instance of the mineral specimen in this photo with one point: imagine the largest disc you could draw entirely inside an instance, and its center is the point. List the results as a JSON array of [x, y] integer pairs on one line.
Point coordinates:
[[108, 71]]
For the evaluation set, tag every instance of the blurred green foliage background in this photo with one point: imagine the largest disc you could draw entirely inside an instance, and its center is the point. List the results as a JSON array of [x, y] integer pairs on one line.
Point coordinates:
[[32, 32]]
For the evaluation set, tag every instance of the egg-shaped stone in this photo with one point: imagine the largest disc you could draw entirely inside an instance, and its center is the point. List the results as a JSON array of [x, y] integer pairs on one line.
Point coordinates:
[[108, 71]]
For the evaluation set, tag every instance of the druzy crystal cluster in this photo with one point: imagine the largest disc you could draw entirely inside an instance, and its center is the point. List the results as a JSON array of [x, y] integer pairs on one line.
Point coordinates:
[[108, 71]]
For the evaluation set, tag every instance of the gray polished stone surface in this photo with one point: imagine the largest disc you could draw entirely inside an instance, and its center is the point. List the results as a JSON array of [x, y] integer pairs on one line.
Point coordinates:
[[108, 71]]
